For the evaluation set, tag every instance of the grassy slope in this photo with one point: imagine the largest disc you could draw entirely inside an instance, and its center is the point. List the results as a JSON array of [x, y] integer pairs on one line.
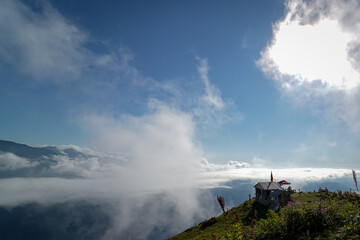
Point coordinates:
[[240, 217], [224, 222]]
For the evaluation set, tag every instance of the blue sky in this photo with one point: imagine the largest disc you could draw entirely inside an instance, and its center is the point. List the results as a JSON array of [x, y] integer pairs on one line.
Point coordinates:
[[257, 82]]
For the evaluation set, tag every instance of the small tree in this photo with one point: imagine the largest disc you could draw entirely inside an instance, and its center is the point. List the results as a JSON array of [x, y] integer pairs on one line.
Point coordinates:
[[355, 180], [221, 202]]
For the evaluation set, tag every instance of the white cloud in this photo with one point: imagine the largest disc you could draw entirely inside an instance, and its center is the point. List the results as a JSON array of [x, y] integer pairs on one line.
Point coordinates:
[[210, 109], [41, 44], [314, 58], [89, 166], [92, 152], [83, 163], [204, 163], [301, 149], [313, 43], [160, 145], [10, 161], [173, 210], [76, 148], [45, 45], [343, 108], [54, 190], [213, 175], [298, 176], [258, 162], [84, 167], [212, 94]]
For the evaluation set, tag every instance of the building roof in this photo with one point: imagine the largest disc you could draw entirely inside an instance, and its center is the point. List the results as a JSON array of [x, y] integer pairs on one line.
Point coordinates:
[[268, 186]]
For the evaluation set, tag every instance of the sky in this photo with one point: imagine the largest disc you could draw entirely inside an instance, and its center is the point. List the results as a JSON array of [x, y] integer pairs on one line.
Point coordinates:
[[166, 101], [264, 83]]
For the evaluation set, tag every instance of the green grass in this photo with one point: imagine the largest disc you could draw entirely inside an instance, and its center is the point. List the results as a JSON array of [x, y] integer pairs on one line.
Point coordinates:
[[224, 223], [309, 216]]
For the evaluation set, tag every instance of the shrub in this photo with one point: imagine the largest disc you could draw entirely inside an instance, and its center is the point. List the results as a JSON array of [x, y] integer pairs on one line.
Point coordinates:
[[208, 223]]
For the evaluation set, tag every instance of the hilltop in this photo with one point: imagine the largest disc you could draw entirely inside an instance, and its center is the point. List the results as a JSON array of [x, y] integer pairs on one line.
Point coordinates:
[[307, 216]]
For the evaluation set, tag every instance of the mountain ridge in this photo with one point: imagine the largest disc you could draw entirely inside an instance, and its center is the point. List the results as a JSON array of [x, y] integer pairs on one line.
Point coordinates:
[[24, 150]]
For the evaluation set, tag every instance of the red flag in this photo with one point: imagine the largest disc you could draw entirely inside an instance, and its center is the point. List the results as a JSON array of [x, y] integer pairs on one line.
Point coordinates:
[[355, 180], [271, 177], [283, 182]]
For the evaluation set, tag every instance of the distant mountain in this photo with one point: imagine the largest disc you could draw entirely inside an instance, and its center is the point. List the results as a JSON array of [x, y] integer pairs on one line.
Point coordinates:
[[331, 186], [234, 192], [25, 151], [21, 160], [70, 152]]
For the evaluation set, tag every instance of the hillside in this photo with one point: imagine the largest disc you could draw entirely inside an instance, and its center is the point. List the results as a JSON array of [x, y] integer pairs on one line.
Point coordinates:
[[307, 216]]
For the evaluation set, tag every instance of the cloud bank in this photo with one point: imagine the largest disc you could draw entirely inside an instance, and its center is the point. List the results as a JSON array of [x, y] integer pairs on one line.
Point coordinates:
[[9, 161]]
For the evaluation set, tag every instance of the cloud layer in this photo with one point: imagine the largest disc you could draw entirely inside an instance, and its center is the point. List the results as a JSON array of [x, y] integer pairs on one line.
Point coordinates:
[[9, 161]]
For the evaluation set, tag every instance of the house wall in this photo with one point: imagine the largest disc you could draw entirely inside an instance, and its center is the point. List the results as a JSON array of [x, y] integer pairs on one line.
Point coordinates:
[[262, 201], [263, 196]]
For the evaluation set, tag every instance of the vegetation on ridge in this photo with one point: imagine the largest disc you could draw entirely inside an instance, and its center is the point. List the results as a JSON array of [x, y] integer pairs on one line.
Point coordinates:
[[308, 216]]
